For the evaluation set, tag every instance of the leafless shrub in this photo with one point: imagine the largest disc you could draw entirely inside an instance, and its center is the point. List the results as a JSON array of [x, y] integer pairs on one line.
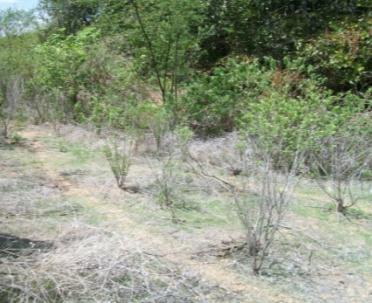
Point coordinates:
[[338, 165], [262, 204], [171, 180], [262, 195], [97, 267], [159, 127], [169, 185], [119, 153]]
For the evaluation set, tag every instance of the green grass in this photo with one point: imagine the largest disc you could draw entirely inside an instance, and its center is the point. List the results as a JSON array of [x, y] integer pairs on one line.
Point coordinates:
[[312, 210], [71, 155], [211, 213]]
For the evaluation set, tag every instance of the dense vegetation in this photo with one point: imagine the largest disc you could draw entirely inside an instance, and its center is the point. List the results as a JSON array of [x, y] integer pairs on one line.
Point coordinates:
[[291, 78], [207, 61]]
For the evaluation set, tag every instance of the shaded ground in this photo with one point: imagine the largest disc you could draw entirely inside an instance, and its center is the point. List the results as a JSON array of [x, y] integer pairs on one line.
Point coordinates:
[[12, 246], [51, 183]]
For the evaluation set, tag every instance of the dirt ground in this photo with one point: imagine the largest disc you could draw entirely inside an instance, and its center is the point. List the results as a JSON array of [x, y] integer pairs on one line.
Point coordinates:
[[52, 185]]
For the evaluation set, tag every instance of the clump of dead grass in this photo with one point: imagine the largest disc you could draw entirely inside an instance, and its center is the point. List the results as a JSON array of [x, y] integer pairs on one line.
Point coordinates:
[[91, 265]]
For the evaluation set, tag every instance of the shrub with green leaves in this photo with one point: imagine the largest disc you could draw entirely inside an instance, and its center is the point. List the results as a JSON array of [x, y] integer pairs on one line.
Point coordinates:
[[241, 87], [84, 80], [342, 55], [56, 70], [214, 101]]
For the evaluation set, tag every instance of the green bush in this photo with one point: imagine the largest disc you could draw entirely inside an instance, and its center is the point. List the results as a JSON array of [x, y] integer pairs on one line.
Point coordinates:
[[284, 110], [220, 101], [213, 102], [284, 125], [342, 55], [84, 80]]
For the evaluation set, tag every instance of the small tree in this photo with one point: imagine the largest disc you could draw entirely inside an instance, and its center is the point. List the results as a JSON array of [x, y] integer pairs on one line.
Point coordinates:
[[166, 187], [338, 165], [170, 178], [165, 36], [119, 154]]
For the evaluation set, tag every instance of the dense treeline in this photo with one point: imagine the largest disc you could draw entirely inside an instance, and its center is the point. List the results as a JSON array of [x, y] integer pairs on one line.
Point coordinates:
[[204, 63]]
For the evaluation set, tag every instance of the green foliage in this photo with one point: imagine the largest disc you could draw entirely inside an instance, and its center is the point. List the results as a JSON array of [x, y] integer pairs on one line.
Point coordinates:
[[342, 55], [267, 27], [213, 101], [57, 62], [71, 15], [162, 38], [16, 139], [15, 44], [224, 99], [102, 62], [83, 79], [286, 110], [284, 124], [184, 135]]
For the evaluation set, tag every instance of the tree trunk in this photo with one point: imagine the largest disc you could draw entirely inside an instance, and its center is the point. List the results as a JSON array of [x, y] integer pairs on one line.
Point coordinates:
[[252, 245], [341, 208]]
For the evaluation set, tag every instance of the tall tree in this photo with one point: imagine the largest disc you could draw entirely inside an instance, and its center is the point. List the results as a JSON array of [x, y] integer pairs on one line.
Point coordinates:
[[166, 38]]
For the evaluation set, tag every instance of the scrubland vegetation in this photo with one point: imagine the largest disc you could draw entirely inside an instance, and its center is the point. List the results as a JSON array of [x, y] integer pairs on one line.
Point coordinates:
[[186, 151]]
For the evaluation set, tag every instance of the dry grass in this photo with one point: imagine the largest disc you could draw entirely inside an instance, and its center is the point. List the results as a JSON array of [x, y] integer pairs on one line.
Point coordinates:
[[126, 251], [91, 265]]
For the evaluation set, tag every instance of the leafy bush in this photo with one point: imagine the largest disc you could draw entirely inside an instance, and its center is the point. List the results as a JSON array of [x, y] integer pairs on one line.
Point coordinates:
[[241, 88], [342, 55], [84, 80], [57, 62], [214, 102]]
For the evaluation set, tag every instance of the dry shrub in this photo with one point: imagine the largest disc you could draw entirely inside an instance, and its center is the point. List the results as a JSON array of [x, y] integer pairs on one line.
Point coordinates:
[[263, 197], [338, 166], [171, 179], [98, 267], [261, 207], [119, 153], [224, 156], [170, 185], [261, 192]]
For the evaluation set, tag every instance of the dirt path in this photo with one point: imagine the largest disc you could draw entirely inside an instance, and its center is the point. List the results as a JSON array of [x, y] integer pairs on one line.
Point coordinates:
[[163, 245]]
